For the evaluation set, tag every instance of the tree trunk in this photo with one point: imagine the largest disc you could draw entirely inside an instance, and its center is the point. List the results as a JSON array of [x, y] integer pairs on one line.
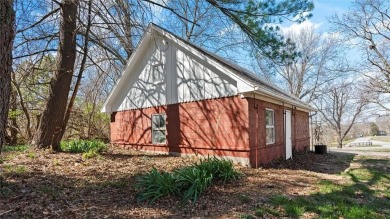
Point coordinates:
[[339, 139], [13, 124], [80, 75], [7, 33], [52, 119]]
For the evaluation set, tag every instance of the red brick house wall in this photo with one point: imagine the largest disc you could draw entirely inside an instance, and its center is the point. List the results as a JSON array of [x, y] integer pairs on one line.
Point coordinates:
[[231, 126], [301, 132], [216, 127], [260, 152]]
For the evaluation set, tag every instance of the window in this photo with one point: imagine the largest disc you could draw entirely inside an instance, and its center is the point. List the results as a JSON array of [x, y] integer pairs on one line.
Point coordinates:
[[270, 126], [159, 129], [158, 73]]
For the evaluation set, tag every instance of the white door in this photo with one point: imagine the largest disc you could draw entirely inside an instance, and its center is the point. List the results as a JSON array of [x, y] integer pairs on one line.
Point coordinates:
[[287, 128]]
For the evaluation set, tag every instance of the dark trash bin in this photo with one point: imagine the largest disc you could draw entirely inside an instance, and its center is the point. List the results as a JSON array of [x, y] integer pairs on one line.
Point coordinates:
[[320, 149]]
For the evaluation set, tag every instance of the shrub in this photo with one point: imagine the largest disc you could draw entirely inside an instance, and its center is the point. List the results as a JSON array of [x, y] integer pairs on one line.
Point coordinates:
[[220, 169], [155, 184], [83, 146], [188, 182]]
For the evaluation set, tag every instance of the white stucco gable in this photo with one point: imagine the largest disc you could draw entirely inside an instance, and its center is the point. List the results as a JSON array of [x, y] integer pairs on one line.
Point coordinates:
[[165, 69]]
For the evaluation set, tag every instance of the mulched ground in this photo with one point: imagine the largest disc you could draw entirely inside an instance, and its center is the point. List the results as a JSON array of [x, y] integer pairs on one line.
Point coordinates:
[[40, 184]]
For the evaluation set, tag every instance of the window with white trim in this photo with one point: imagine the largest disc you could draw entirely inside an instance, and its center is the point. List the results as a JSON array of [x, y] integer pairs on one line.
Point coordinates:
[[159, 129], [270, 126], [158, 73]]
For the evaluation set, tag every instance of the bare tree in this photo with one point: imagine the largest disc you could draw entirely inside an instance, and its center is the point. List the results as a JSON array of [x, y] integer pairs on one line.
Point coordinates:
[[367, 22], [321, 60], [7, 26], [52, 119], [340, 106]]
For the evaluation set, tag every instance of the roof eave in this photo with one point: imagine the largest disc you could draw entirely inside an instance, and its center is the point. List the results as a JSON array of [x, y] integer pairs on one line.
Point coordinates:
[[280, 98]]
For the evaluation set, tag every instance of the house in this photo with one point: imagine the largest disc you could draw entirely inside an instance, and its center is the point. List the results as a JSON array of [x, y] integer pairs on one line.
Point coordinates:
[[177, 98], [381, 133]]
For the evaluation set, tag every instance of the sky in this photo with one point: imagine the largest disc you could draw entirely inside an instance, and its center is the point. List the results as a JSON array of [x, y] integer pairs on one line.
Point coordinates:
[[323, 11], [325, 8]]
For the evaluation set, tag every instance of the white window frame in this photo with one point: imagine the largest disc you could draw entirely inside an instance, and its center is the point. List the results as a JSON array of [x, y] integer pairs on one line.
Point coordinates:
[[270, 126], [160, 128], [155, 71]]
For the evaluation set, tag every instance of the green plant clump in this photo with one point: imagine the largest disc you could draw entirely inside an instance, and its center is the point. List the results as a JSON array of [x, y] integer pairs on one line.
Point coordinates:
[[19, 148], [83, 146], [155, 184], [90, 154], [188, 182]]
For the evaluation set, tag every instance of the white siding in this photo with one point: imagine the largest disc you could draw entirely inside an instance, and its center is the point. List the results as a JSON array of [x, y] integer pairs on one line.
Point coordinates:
[[187, 77], [142, 91], [197, 79]]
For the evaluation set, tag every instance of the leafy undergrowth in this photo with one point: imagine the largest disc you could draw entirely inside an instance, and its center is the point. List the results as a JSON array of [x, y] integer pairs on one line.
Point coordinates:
[[89, 149], [82, 146], [40, 184]]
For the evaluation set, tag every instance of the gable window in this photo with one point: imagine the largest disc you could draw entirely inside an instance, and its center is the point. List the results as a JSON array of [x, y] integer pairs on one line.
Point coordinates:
[[158, 73], [270, 126], [159, 129]]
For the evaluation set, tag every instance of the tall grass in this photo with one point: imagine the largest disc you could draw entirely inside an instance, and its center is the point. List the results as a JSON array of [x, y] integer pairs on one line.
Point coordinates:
[[187, 182]]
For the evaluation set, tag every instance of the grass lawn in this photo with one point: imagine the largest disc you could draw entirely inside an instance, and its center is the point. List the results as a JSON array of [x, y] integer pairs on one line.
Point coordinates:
[[377, 149], [381, 138], [40, 184], [345, 142]]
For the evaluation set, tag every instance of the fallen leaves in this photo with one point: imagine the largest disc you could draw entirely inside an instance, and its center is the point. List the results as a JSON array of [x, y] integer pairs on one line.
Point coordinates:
[[62, 185]]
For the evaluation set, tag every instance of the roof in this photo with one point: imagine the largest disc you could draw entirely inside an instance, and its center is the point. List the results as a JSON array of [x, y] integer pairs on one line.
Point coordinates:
[[260, 86], [247, 75]]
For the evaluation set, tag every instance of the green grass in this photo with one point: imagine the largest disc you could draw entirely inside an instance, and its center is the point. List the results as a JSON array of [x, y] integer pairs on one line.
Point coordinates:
[[374, 149], [31, 155], [18, 148], [381, 138], [367, 195], [246, 216], [90, 154], [262, 211], [279, 200], [335, 144], [294, 210], [14, 169]]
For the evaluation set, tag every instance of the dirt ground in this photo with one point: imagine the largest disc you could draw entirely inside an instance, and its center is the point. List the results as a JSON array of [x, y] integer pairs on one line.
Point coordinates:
[[40, 184]]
